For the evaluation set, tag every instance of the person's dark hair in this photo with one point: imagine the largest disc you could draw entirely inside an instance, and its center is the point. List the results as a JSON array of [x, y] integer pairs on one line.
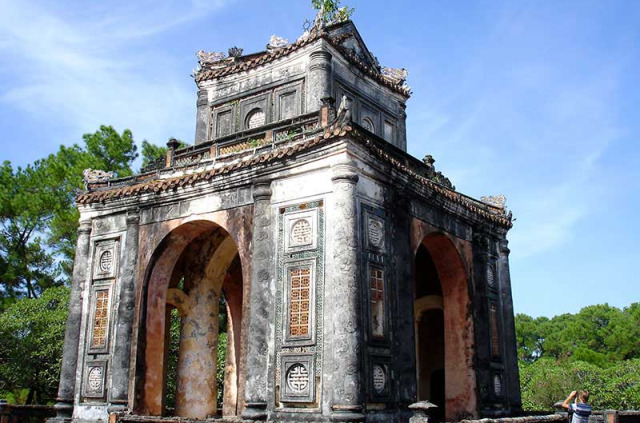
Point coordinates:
[[583, 396]]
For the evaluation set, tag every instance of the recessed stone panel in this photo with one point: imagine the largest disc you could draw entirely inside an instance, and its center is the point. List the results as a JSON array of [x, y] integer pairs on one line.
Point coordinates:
[[105, 261], [297, 382], [301, 230], [94, 379]]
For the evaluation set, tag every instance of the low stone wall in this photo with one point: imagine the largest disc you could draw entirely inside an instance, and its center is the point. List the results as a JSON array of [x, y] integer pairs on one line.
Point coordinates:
[[10, 413], [524, 419]]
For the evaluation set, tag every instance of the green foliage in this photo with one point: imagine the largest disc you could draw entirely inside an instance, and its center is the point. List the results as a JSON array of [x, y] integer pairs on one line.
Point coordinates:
[[152, 152], [32, 333], [332, 12], [597, 349], [38, 216], [547, 381], [598, 334]]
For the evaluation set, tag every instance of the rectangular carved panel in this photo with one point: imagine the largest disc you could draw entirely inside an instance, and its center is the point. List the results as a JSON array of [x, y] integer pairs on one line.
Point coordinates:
[[99, 329]]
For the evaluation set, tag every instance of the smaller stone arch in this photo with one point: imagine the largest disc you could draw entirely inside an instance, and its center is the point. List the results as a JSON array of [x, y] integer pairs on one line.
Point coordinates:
[[200, 255], [441, 311]]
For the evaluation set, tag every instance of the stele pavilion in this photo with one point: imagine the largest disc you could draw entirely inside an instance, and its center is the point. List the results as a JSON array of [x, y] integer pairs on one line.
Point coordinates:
[[356, 280]]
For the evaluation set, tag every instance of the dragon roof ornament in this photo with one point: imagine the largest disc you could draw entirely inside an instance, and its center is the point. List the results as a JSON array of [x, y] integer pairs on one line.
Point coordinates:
[[92, 176], [276, 42], [498, 201]]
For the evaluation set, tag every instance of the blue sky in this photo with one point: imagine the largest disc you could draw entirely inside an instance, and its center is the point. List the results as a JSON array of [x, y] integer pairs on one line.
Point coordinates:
[[536, 100]]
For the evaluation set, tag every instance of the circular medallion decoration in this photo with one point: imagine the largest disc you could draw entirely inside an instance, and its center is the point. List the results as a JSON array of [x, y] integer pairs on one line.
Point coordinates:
[[368, 125], [298, 378], [255, 118], [490, 276], [106, 261], [379, 378], [376, 233], [95, 378], [301, 233], [497, 385]]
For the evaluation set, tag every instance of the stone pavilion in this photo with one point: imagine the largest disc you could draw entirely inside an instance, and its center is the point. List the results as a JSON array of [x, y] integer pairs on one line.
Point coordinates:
[[356, 279]]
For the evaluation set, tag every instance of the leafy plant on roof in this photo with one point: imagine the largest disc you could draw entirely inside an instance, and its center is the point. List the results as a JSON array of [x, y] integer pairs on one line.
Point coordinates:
[[331, 10]]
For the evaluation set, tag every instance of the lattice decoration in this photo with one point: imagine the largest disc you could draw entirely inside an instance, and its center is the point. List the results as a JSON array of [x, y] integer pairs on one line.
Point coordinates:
[[301, 233], [497, 385], [100, 326], [298, 378], [379, 378], [106, 261], [256, 118], [299, 313], [495, 334], [376, 286]]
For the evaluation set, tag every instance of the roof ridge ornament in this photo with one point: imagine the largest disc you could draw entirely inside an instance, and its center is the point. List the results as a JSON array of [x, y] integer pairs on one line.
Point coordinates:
[[276, 42], [92, 176], [499, 201]]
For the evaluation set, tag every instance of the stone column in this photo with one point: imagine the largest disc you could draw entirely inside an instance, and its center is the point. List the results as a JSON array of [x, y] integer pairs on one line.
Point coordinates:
[[319, 86], [119, 392], [480, 295], [261, 306], [347, 326], [402, 127], [202, 116], [512, 379], [403, 323], [66, 389]]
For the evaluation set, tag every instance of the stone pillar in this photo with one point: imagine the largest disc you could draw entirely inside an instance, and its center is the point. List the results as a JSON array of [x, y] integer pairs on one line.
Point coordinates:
[[347, 401], [480, 295], [261, 306], [320, 81], [403, 322], [197, 387], [66, 389], [119, 391], [402, 127], [512, 378], [202, 116]]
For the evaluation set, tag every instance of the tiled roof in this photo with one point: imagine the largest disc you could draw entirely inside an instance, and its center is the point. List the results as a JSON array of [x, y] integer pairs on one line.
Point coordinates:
[[252, 61], [492, 214]]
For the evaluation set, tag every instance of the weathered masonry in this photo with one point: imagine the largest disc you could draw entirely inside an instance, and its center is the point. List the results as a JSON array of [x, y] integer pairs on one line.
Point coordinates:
[[356, 280]]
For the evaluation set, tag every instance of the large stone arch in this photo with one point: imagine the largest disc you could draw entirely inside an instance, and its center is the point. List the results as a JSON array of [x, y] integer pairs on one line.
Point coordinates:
[[453, 262], [168, 248]]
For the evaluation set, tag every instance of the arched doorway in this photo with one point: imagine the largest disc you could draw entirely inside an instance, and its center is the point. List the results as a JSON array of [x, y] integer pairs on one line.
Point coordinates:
[[443, 329], [194, 271], [429, 328]]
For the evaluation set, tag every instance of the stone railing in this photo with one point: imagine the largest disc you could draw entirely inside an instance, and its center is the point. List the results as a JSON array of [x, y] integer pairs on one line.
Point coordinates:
[[10, 413]]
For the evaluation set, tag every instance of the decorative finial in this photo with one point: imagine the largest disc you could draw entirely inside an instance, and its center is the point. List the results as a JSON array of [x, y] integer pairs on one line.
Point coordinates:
[[235, 51], [206, 57], [498, 201], [92, 176], [276, 42]]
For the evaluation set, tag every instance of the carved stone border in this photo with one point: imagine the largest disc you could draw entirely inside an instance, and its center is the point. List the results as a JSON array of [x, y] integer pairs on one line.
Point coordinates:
[[315, 350]]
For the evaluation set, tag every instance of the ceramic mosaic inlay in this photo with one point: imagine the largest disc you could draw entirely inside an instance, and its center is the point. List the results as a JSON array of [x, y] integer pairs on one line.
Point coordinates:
[[100, 319], [376, 286], [300, 294]]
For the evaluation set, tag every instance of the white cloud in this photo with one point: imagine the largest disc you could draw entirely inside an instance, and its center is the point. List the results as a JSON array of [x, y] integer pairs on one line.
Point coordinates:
[[82, 68]]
